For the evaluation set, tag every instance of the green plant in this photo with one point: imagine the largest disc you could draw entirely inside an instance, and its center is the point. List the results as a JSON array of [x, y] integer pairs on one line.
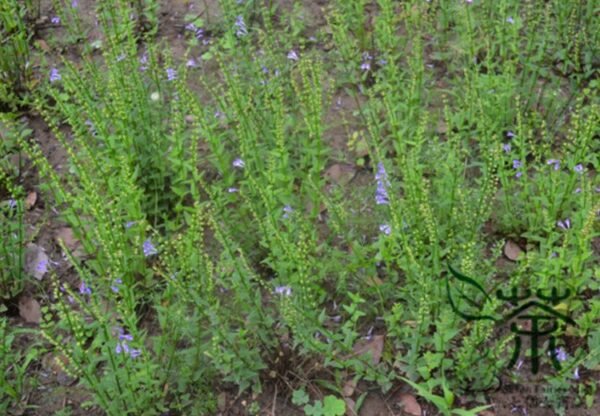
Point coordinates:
[[15, 65]]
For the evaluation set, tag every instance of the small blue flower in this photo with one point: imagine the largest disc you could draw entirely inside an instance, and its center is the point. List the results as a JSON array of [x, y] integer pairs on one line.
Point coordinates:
[[42, 266], [241, 27], [287, 210], [54, 75], [171, 74], [516, 164], [510, 20], [385, 228], [115, 286], [12, 203], [292, 55], [55, 20], [75, 3], [561, 354], [506, 147], [84, 289], [578, 168], [510, 134], [565, 225], [576, 374], [232, 190], [149, 249], [238, 163], [554, 162], [381, 194], [283, 290], [124, 335]]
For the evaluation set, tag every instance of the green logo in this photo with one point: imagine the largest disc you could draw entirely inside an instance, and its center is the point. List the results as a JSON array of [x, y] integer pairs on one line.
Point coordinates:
[[538, 310]]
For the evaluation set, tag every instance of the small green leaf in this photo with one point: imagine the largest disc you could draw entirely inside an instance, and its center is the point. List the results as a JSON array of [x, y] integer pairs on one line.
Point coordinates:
[[334, 406], [299, 397]]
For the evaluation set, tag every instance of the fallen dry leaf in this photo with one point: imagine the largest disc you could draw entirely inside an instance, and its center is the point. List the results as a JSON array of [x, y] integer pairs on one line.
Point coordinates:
[[42, 45], [340, 173], [29, 309], [512, 250], [66, 235], [36, 261], [349, 387], [350, 406], [410, 405], [30, 200], [373, 345]]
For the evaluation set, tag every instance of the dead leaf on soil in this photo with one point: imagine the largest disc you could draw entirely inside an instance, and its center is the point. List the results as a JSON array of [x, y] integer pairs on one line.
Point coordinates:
[[71, 243], [42, 45], [349, 387], [374, 281], [29, 309], [512, 250], [374, 345], [340, 173], [410, 405], [350, 406], [30, 200], [36, 261]]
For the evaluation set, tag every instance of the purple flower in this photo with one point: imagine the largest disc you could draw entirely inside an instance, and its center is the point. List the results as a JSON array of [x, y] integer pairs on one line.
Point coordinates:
[[149, 249], [516, 164], [199, 34], [12, 203], [365, 66], [292, 55], [74, 3], [115, 286], [578, 168], [382, 62], [124, 335], [565, 225], [84, 289], [510, 134], [506, 147], [287, 210], [510, 20], [578, 190], [576, 373], [54, 75], [191, 63], [283, 290], [171, 74], [135, 353], [238, 163], [554, 162], [381, 194], [241, 27], [191, 27], [232, 190], [561, 354], [55, 20], [42, 266], [385, 228], [130, 224]]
